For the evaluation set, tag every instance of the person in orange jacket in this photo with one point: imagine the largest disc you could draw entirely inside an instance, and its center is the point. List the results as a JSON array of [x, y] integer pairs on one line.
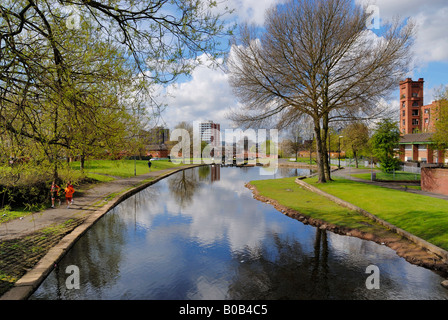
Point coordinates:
[[69, 191]]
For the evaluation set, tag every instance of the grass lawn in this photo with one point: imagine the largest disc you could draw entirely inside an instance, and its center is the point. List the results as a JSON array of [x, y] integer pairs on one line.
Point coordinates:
[[100, 170], [97, 169], [303, 160], [291, 195], [398, 176], [420, 215]]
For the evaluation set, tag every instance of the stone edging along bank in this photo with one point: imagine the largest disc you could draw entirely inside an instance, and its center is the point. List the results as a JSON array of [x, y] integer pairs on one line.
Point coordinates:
[[443, 254], [25, 286]]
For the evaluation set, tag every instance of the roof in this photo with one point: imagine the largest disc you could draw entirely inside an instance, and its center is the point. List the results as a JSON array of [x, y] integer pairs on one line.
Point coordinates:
[[416, 138]]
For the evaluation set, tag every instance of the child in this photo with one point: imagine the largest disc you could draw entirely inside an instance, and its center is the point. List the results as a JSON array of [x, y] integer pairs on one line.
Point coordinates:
[[54, 193], [69, 191]]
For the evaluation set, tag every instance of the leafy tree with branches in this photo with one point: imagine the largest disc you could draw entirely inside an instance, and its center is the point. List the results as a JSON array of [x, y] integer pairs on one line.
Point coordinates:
[[440, 136], [384, 142], [68, 69], [355, 141]]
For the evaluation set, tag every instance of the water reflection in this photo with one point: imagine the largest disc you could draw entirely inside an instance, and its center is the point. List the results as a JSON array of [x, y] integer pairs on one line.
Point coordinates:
[[183, 186], [210, 173], [193, 236]]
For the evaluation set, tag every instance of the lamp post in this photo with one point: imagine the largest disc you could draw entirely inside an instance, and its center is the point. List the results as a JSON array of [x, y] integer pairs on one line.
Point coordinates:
[[339, 156]]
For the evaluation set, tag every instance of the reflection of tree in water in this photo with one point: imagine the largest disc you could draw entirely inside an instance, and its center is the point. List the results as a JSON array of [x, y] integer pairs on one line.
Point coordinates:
[[204, 173], [183, 186], [286, 271], [291, 172]]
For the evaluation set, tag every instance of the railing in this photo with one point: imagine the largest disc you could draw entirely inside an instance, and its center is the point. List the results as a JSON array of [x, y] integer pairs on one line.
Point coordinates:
[[411, 169]]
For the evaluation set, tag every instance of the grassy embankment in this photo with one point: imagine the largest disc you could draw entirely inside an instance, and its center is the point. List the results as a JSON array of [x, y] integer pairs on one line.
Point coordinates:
[[107, 170], [420, 215]]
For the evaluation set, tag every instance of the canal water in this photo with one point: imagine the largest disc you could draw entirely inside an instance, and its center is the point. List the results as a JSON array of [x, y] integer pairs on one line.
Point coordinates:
[[199, 234]]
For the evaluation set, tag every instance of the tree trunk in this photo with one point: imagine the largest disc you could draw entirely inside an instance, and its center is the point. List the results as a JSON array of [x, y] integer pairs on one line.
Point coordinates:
[[55, 170], [319, 155], [83, 160], [355, 155], [326, 158]]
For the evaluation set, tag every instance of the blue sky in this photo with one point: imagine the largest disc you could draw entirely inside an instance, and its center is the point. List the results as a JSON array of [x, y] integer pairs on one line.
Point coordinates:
[[206, 95]]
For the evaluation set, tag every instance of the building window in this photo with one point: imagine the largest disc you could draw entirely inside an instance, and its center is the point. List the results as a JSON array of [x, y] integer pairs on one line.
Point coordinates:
[[426, 120], [415, 104], [404, 105], [404, 122], [415, 94], [404, 113], [426, 111], [415, 122], [415, 112]]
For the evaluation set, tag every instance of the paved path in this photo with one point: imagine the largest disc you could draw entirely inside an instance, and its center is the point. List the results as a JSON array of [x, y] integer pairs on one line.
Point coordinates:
[[346, 173], [90, 201]]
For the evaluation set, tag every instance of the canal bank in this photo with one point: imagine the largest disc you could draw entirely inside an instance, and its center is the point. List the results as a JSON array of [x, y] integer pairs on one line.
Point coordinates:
[[86, 210], [200, 234], [415, 250], [154, 245]]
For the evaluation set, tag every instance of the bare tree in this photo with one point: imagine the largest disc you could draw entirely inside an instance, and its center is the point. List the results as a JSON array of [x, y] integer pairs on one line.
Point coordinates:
[[297, 135], [317, 58]]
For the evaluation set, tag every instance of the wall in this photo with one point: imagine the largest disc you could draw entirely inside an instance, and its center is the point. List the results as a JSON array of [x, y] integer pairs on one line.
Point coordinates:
[[435, 180]]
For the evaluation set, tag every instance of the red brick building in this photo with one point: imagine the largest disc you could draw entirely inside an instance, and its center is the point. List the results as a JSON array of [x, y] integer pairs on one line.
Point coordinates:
[[417, 124]]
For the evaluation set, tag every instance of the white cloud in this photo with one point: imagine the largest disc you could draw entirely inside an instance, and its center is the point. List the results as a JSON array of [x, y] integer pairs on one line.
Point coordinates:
[[206, 96], [251, 11], [431, 43]]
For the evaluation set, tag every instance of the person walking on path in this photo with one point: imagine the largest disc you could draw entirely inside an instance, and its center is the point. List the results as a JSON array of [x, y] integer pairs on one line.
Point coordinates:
[[69, 191], [149, 163], [54, 193]]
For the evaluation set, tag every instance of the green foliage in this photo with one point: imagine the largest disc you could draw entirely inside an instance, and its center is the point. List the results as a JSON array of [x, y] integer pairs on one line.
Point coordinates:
[[84, 91], [269, 147], [441, 125], [30, 197], [383, 144], [355, 141]]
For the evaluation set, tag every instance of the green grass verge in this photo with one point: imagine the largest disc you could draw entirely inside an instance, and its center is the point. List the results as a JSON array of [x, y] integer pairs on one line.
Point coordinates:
[[121, 168], [398, 176], [303, 160], [423, 216], [308, 203]]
